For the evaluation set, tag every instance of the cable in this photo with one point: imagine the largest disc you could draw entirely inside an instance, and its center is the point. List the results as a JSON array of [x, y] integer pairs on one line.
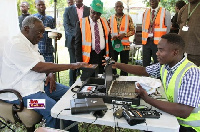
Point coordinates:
[[116, 122], [70, 126], [6, 126], [90, 124], [62, 111]]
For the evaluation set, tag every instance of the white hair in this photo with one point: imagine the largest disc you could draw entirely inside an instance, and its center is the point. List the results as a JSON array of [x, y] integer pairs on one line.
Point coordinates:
[[30, 21]]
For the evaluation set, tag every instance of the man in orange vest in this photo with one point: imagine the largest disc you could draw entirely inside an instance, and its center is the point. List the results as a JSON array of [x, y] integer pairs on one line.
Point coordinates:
[[121, 28], [92, 39], [156, 22], [71, 15]]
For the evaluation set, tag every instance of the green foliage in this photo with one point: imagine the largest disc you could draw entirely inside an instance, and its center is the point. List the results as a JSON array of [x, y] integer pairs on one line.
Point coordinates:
[[108, 12], [60, 6], [32, 9], [168, 4], [17, 127]]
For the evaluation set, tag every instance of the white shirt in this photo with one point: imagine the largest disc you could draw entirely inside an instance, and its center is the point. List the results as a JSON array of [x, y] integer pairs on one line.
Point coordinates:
[[19, 57], [102, 38]]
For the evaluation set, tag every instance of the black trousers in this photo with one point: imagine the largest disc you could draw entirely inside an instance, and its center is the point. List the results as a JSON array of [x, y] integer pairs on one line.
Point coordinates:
[[97, 59], [149, 50], [72, 73], [124, 58]]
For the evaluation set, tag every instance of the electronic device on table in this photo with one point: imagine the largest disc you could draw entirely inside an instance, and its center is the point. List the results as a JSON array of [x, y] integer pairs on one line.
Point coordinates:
[[87, 105], [136, 116], [112, 91]]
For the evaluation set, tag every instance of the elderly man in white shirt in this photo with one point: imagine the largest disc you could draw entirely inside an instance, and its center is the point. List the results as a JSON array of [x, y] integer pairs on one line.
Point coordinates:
[[24, 69]]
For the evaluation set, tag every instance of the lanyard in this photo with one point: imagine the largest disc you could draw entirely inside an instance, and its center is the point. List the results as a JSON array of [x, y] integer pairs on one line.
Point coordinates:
[[190, 13], [152, 21]]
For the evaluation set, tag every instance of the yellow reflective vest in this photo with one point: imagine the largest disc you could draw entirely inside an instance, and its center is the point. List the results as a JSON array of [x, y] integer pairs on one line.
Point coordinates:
[[159, 25], [87, 37], [172, 93]]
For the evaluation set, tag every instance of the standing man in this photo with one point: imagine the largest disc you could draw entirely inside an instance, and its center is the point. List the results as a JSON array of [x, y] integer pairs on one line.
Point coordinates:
[[175, 27], [121, 28], [24, 7], [24, 70], [45, 45], [70, 2], [188, 19], [156, 22], [92, 40], [180, 78], [73, 14]]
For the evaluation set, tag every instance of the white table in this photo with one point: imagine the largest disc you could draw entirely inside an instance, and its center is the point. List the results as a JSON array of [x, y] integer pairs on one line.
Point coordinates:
[[166, 122]]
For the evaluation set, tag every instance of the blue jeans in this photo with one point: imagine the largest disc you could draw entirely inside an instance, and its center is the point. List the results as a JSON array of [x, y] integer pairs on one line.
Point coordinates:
[[51, 99]]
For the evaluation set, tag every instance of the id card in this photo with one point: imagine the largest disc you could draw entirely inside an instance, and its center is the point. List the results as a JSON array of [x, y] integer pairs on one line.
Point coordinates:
[[185, 28], [150, 35], [117, 46]]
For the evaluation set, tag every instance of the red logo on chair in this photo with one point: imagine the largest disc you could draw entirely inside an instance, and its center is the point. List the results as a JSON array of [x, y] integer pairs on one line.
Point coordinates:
[[36, 104]]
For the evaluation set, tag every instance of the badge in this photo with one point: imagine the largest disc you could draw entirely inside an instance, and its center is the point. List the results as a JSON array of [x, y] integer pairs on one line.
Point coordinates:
[[185, 28], [150, 35], [117, 45]]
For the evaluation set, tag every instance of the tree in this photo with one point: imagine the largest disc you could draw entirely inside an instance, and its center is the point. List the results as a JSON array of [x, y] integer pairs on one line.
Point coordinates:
[[32, 9], [108, 12], [168, 4]]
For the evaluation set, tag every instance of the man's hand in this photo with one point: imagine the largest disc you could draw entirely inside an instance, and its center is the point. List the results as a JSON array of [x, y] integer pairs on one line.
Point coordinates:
[[121, 36], [113, 63], [58, 37], [77, 65], [141, 92], [114, 37], [51, 79]]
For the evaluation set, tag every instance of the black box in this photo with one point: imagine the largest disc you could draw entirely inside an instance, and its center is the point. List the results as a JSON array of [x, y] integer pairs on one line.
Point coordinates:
[[100, 91], [91, 70], [138, 28], [138, 38], [87, 105]]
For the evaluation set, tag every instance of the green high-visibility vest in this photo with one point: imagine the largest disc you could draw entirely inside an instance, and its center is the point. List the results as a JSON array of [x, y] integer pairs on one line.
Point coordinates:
[[172, 93]]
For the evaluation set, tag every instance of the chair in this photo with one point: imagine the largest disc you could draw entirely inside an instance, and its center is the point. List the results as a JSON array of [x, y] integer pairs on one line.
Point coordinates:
[[18, 113]]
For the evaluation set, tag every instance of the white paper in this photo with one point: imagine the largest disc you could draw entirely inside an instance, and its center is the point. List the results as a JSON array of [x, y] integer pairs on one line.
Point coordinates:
[[185, 28], [149, 84], [150, 35]]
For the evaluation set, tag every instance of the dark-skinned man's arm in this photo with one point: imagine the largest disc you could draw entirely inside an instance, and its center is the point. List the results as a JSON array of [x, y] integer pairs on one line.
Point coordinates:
[[176, 109], [47, 67], [133, 69]]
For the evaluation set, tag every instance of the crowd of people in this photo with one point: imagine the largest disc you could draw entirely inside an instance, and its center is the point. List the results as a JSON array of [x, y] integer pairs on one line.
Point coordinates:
[[173, 44]]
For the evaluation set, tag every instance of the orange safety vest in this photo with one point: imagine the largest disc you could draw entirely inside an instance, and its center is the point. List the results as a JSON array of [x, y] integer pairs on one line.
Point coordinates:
[[159, 29], [124, 28], [87, 37]]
